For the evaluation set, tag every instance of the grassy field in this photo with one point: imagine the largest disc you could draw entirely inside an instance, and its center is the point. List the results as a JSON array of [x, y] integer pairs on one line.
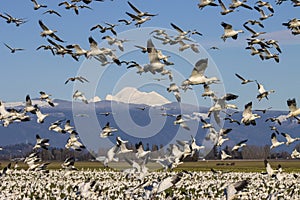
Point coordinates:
[[228, 165]]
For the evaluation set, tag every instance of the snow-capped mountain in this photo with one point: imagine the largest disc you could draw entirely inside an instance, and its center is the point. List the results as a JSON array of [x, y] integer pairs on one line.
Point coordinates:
[[134, 96]]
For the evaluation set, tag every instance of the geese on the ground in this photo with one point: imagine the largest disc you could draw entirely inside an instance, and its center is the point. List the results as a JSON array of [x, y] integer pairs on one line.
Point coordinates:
[[248, 116], [274, 141], [197, 76], [175, 89], [237, 3], [13, 50], [79, 78], [244, 81], [169, 182], [224, 155], [229, 32], [48, 32], [239, 145], [262, 92], [225, 10], [107, 131], [263, 16], [38, 6], [270, 171], [289, 139], [232, 189], [204, 3], [80, 96], [41, 143], [294, 110], [52, 12], [179, 120]]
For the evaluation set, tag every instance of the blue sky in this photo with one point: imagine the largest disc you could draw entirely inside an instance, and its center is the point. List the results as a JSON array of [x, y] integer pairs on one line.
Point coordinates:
[[31, 71]]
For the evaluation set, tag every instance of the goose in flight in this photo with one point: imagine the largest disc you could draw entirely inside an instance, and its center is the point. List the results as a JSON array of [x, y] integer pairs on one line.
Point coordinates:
[[41, 143], [13, 50], [169, 182], [207, 91], [295, 154], [253, 22], [204, 3], [274, 119], [47, 47], [221, 140], [28, 105], [229, 32], [10, 19], [232, 120], [237, 3], [107, 131], [80, 96], [139, 20], [224, 155], [46, 97], [175, 89], [141, 153], [73, 143], [73, 6], [244, 81], [38, 6], [232, 189], [110, 27], [254, 33], [52, 12], [115, 41], [265, 4], [248, 116], [294, 110], [275, 44], [40, 116], [68, 128], [78, 50], [263, 16], [184, 46], [289, 139], [274, 141], [239, 145], [110, 155], [155, 64], [225, 10], [263, 110], [179, 120], [61, 50], [205, 124], [197, 76], [55, 126], [46, 31], [140, 13], [79, 78], [194, 146], [262, 92], [122, 144], [269, 55]]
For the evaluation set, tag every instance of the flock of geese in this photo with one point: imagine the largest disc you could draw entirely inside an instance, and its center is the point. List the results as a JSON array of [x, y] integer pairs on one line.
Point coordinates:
[[138, 182]]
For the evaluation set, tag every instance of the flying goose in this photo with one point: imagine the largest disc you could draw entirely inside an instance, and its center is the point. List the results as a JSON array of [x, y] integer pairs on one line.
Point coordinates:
[[263, 110], [78, 50], [204, 3], [73, 6], [248, 116], [141, 153], [13, 50], [263, 16], [47, 47], [155, 64], [229, 32], [289, 139], [275, 44], [55, 126], [205, 124], [41, 143], [295, 154], [10, 19], [110, 155], [274, 141], [52, 12], [140, 13], [140, 69], [296, 3], [126, 22], [175, 89], [207, 91], [80, 96], [269, 55], [194, 146], [61, 50], [74, 143], [262, 92], [69, 129], [265, 4], [274, 128], [232, 120], [221, 140], [197, 76], [273, 119], [253, 22], [38, 6], [122, 144], [184, 46], [79, 78], [294, 110], [239, 145], [46, 97], [237, 3], [232, 189], [28, 105], [40, 116], [139, 20], [46, 31], [179, 120], [107, 131], [254, 33], [115, 41], [224, 11], [244, 81], [271, 172], [224, 155]]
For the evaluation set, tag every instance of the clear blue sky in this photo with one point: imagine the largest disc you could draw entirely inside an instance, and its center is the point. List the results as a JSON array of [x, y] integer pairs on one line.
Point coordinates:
[[31, 71]]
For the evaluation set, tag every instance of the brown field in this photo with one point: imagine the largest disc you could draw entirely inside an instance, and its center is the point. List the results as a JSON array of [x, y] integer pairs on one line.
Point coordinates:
[[228, 165]]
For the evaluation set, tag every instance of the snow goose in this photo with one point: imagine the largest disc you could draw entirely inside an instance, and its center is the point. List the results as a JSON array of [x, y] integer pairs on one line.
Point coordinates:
[[255, 51], [197, 76], [41, 143], [244, 81], [155, 64], [73, 142], [184, 46], [80, 96], [10, 19], [294, 110], [263, 16], [265, 4], [110, 155], [47, 47], [269, 55], [204, 3], [78, 50], [221, 140], [140, 13], [55, 126], [52, 12], [253, 22], [274, 119], [46, 97], [232, 189], [61, 50], [13, 50], [115, 41], [28, 105], [232, 120], [275, 44], [289, 139], [175, 89], [296, 3], [107, 131], [274, 141], [224, 11], [238, 3], [229, 32], [179, 120], [40, 116], [122, 144], [140, 150], [239, 145], [79, 78], [254, 33], [169, 182], [248, 116], [68, 128], [46, 31], [207, 91], [38, 6], [194, 146], [262, 92], [139, 20], [224, 155], [205, 124], [295, 154]]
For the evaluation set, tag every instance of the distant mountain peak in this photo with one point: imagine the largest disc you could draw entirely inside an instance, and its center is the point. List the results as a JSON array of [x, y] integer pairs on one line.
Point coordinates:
[[134, 96]]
